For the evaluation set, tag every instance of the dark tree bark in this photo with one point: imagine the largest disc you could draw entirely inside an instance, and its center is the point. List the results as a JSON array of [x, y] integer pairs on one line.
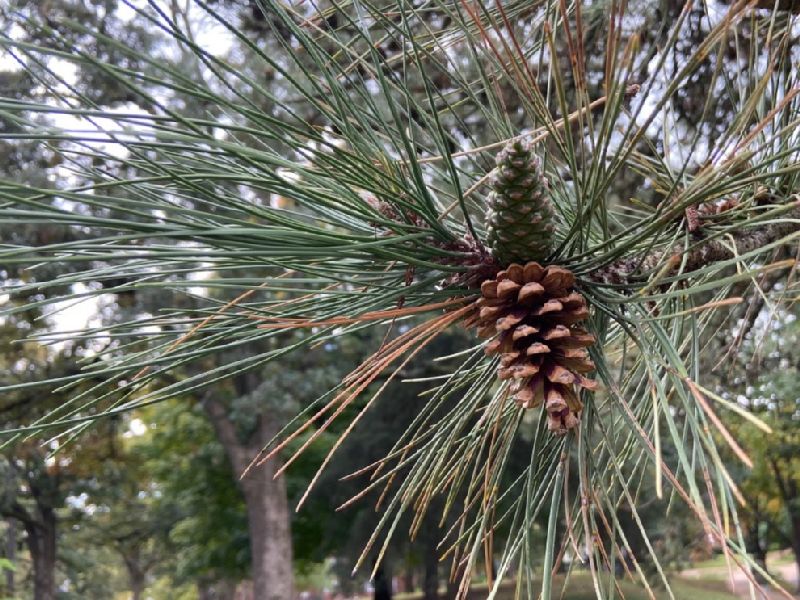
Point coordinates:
[[268, 516], [430, 584], [408, 580], [41, 538], [40, 529], [755, 544], [39, 521], [41, 541], [790, 5], [136, 573], [11, 554], [383, 582], [453, 584], [789, 493], [796, 544]]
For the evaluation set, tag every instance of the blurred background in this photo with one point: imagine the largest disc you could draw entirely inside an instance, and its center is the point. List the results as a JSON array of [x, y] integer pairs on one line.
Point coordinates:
[[150, 504]]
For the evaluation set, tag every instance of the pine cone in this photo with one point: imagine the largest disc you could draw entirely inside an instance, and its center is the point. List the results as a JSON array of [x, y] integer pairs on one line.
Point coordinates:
[[520, 218], [533, 314]]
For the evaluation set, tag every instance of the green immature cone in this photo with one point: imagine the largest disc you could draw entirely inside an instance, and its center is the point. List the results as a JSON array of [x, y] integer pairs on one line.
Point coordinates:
[[520, 216]]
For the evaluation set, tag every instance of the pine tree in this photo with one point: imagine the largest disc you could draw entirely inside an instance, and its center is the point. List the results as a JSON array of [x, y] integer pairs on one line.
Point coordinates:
[[378, 131]]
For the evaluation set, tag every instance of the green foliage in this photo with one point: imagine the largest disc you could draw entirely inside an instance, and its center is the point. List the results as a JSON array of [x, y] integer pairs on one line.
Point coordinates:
[[164, 588], [197, 495], [766, 384]]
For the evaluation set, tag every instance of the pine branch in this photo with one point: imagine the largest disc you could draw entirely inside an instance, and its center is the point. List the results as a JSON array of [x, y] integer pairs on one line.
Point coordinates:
[[786, 5], [717, 249]]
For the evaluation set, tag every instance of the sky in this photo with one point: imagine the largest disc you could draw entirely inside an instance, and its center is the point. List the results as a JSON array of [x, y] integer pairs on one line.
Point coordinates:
[[73, 315]]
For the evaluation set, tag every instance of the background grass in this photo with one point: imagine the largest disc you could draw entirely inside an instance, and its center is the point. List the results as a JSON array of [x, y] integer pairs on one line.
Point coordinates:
[[580, 587]]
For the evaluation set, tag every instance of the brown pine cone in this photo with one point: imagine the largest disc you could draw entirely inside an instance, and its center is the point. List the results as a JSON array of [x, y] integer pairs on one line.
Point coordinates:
[[532, 312]]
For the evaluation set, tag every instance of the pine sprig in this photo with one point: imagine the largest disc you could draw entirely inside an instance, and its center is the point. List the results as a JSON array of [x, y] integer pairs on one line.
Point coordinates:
[[350, 195]]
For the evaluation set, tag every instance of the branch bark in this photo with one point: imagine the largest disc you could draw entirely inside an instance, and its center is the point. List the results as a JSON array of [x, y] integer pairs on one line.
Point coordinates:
[[713, 250]]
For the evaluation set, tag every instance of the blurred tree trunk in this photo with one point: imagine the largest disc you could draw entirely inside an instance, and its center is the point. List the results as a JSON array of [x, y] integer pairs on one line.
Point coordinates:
[[795, 519], [755, 545], [383, 581], [430, 584], [452, 590], [39, 521], [11, 554], [268, 517], [41, 540], [787, 485], [270, 535], [136, 572]]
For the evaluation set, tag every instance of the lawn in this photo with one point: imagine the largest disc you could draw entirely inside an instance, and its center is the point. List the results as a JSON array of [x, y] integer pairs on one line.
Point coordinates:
[[780, 565], [773, 559], [580, 588]]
